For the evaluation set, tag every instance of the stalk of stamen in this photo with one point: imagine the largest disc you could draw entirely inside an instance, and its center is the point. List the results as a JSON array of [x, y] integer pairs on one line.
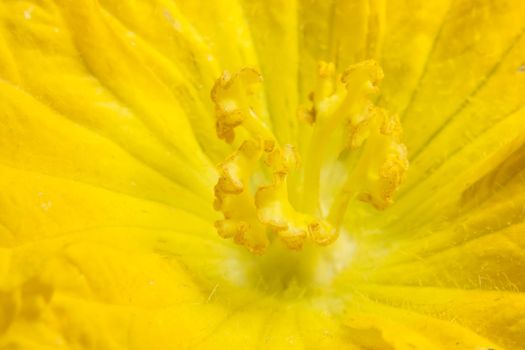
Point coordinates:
[[336, 102], [380, 169]]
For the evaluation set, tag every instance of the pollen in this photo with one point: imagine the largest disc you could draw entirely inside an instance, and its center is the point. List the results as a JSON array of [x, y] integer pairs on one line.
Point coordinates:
[[269, 189]]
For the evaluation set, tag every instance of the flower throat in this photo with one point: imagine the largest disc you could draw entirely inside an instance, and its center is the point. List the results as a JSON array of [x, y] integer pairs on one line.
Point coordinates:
[[345, 148]]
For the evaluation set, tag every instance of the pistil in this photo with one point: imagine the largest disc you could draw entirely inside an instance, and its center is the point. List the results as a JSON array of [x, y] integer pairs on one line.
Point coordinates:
[[254, 208]]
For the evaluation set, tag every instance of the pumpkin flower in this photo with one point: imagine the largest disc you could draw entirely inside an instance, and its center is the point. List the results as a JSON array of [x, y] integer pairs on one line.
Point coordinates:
[[262, 174]]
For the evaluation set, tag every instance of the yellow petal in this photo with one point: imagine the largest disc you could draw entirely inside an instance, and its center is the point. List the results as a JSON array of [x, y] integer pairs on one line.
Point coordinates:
[[108, 148]]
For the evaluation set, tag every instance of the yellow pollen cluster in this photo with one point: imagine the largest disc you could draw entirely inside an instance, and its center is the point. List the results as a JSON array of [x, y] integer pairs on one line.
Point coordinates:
[[253, 191]]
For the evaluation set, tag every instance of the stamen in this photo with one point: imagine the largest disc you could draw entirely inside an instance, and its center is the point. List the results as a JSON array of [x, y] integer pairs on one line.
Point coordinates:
[[252, 208], [380, 169]]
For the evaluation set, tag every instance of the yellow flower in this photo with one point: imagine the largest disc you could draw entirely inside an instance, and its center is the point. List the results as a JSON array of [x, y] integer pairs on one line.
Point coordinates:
[[354, 181]]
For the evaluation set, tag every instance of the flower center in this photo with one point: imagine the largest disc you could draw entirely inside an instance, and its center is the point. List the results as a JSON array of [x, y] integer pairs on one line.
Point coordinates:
[[344, 149]]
